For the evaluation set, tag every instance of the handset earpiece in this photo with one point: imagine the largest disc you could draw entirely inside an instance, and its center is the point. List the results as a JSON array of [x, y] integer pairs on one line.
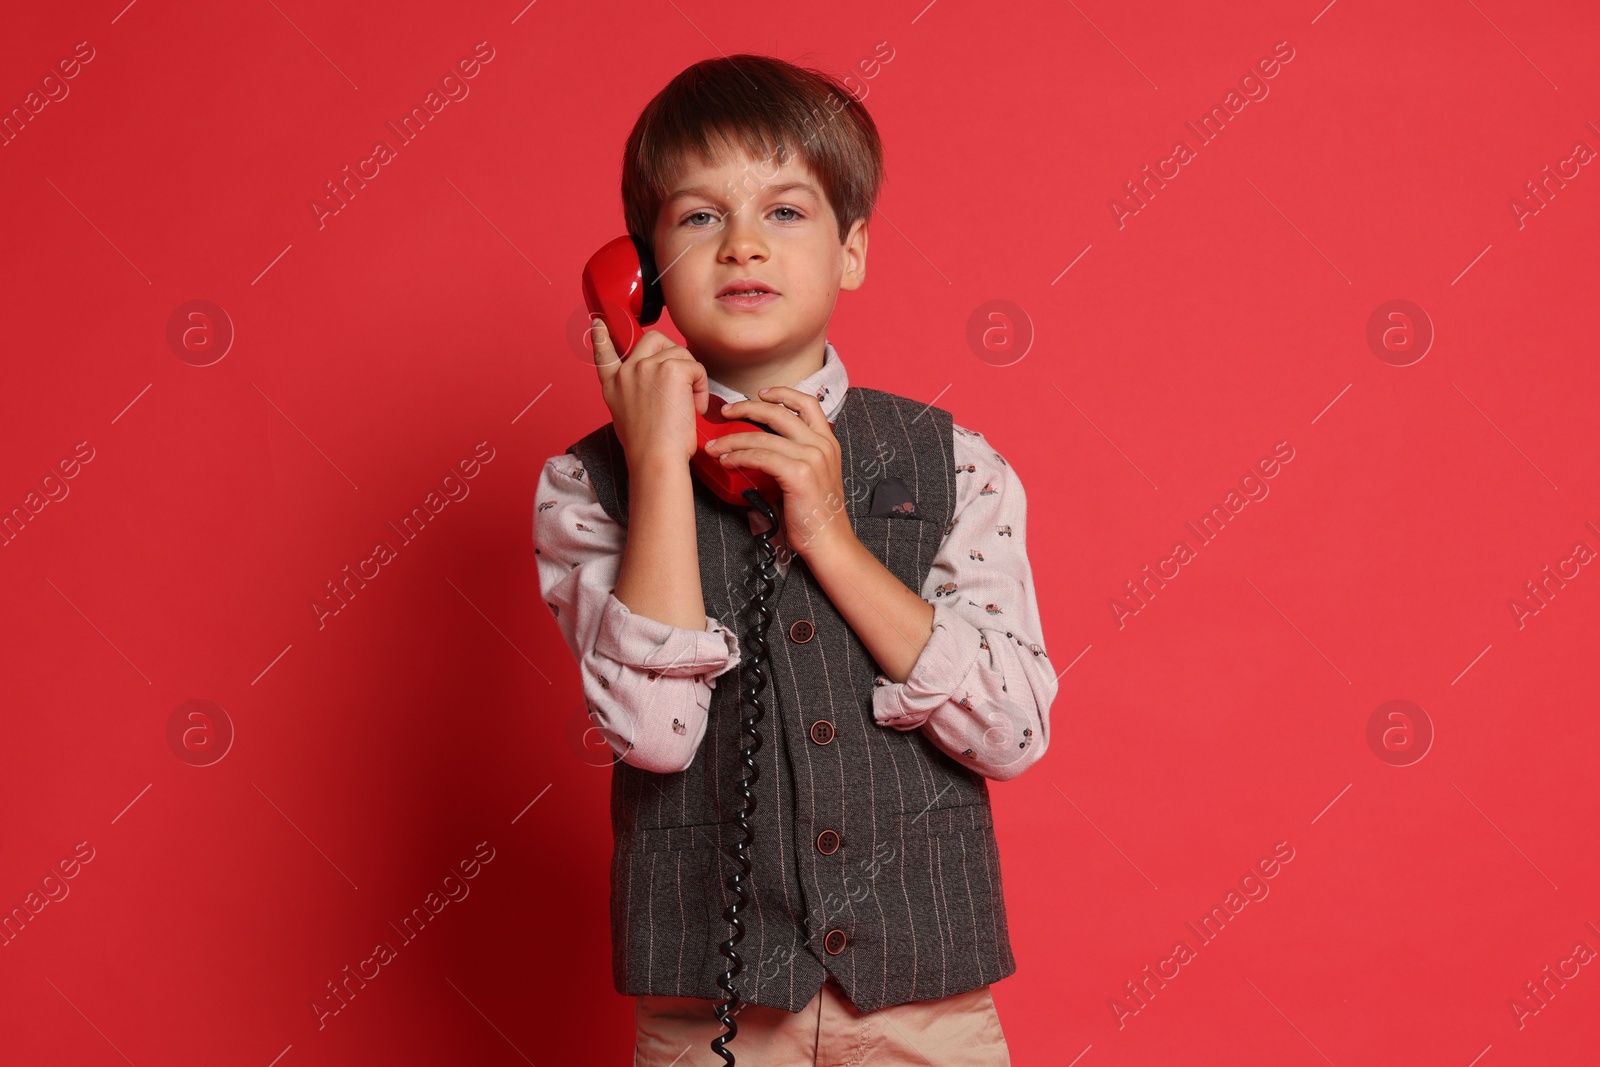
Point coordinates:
[[652, 298], [620, 284]]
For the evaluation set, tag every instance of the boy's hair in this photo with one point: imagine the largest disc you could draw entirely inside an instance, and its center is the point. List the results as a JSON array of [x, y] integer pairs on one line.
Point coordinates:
[[768, 107]]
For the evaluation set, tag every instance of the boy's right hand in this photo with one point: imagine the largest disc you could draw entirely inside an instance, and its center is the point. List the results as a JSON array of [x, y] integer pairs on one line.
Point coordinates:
[[653, 395]]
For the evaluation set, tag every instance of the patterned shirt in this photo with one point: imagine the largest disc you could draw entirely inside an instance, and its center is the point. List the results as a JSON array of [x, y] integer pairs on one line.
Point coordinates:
[[981, 688]]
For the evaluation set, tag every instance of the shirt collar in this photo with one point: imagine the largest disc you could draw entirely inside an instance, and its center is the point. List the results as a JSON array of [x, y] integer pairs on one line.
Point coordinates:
[[828, 384]]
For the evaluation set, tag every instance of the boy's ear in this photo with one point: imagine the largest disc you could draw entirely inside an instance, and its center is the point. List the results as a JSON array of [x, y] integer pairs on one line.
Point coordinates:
[[854, 256]]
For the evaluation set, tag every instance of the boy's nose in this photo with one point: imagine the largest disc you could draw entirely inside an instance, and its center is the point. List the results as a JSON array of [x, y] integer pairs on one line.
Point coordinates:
[[742, 239]]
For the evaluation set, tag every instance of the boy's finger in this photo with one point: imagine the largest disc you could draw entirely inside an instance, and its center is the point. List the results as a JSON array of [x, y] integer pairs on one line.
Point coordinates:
[[803, 404], [744, 442], [779, 412], [606, 363], [699, 380], [656, 348], [702, 389]]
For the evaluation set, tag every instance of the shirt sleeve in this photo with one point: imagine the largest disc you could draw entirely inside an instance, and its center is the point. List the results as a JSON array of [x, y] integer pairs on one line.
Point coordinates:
[[983, 686], [647, 685]]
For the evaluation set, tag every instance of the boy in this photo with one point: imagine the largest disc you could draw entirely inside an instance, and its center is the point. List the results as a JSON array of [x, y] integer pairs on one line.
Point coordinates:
[[906, 663]]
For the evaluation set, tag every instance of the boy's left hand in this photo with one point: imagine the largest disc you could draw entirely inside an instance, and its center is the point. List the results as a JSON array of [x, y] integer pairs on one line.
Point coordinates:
[[803, 456]]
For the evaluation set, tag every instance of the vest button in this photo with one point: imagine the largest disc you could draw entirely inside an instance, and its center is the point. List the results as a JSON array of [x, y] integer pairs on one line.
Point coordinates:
[[802, 631], [822, 731], [834, 942], [827, 842]]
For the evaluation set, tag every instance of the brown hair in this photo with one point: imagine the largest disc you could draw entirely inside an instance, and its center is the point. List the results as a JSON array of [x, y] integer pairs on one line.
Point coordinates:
[[769, 108]]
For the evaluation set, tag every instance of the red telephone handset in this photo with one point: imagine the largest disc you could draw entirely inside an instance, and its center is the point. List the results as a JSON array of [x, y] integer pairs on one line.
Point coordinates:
[[620, 286]]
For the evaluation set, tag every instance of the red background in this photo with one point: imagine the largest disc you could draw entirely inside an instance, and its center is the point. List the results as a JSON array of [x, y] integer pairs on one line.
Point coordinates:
[[440, 708]]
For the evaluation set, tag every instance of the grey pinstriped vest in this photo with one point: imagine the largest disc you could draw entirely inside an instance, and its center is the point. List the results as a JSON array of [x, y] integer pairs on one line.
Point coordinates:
[[903, 900]]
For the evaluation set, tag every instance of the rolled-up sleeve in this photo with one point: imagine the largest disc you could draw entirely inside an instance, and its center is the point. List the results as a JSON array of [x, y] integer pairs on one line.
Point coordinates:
[[983, 685], [647, 685]]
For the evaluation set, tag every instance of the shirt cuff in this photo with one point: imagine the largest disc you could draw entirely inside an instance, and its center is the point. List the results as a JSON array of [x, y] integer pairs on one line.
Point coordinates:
[[949, 656], [662, 649]]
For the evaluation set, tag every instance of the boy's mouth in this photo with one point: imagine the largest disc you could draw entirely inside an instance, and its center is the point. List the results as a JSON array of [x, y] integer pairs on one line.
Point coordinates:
[[746, 294], [745, 286]]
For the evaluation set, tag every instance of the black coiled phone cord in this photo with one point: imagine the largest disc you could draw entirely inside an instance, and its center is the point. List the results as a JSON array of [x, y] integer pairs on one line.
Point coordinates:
[[754, 668]]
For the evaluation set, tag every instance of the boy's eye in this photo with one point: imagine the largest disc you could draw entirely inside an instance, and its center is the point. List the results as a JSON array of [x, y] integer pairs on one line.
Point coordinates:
[[794, 216]]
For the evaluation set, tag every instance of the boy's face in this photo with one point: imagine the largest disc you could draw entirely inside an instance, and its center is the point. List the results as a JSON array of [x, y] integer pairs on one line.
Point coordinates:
[[748, 220]]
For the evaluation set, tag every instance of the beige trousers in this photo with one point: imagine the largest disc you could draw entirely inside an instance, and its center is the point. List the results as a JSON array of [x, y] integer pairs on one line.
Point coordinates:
[[958, 1031]]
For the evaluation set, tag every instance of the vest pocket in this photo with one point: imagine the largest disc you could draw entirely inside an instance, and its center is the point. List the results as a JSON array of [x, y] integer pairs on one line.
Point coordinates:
[[941, 821], [667, 936], [882, 529], [895, 544], [680, 838]]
